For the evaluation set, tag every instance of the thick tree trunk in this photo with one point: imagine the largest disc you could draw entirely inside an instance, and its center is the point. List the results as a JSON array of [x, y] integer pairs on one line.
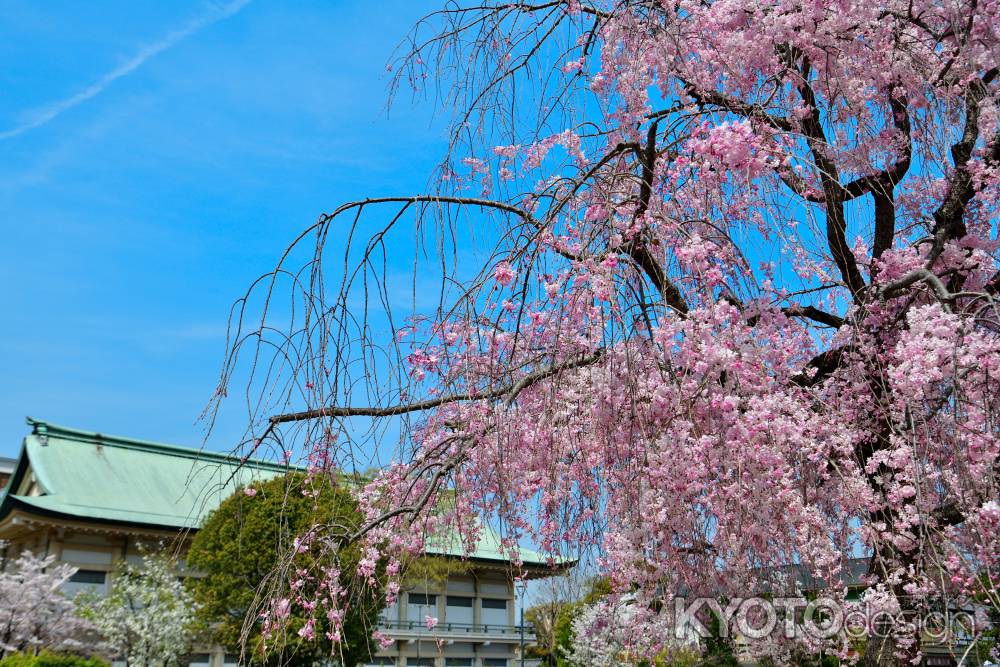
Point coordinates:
[[881, 652], [886, 633]]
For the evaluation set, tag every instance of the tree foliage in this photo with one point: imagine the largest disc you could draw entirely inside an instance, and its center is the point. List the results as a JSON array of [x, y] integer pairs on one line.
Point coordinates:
[[35, 615], [258, 540], [149, 618], [725, 303], [542, 618]]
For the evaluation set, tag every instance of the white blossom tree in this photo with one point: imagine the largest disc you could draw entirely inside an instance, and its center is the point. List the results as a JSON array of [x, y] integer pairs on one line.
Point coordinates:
[[604, 636], [34, 612], [149, 617], [599, 635]]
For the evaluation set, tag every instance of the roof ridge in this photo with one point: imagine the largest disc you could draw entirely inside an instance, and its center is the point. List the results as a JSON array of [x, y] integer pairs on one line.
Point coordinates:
[[48, 429]]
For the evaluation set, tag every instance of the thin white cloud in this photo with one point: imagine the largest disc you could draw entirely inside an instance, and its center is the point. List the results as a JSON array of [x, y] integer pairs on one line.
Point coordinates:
[[47, 113]]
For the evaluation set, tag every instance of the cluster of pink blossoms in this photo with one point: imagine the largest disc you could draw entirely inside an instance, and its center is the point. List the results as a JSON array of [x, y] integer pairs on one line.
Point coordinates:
[[745, 318]]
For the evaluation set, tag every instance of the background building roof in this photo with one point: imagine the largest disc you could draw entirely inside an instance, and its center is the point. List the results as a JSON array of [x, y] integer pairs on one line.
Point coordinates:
[[6, 470], [85, 476]]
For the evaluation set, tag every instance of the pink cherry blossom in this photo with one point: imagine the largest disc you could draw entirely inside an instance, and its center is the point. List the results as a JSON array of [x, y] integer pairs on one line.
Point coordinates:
[[504, 273], [755, 323], [308, 631]]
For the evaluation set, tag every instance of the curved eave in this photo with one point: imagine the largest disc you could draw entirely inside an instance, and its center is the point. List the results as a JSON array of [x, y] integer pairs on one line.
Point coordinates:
[[12, 505], [532, 570], [15, 510]]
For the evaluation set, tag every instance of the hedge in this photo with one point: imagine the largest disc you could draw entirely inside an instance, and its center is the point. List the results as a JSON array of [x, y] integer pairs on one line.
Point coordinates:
[[50, 660]]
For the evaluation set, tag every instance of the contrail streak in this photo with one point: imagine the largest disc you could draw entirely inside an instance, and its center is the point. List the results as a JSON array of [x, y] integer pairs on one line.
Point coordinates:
[[51, 111]]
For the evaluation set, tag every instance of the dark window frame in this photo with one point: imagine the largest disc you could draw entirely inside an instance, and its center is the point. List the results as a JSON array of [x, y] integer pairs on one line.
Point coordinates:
[[422, 599], [95, 577], [495, 603]]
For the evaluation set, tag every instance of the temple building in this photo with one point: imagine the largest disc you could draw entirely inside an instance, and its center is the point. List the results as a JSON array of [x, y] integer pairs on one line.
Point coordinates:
[[93, 499]]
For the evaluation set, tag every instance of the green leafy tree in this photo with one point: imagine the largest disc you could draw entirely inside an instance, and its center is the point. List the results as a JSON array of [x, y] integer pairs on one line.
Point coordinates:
[[149, 617], [542, 617], [241, 546], [563, 631], [719, 648]]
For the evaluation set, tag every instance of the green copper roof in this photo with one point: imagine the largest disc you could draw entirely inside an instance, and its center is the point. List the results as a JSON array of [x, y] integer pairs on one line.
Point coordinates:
[[123, 480], [110, 479]]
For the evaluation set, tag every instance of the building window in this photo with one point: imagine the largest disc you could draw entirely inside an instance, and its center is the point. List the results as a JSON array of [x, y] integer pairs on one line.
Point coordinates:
[[458, 610], [494, 612], [420, 605], [200, 660], [494, 603], [390, 613], [420, 662], [494, 662], [458, 662], [382, 661], [421, 600], [231, 660], [86, 580]]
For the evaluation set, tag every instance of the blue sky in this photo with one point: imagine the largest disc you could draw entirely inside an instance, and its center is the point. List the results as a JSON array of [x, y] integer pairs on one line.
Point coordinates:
[[156, 157]]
